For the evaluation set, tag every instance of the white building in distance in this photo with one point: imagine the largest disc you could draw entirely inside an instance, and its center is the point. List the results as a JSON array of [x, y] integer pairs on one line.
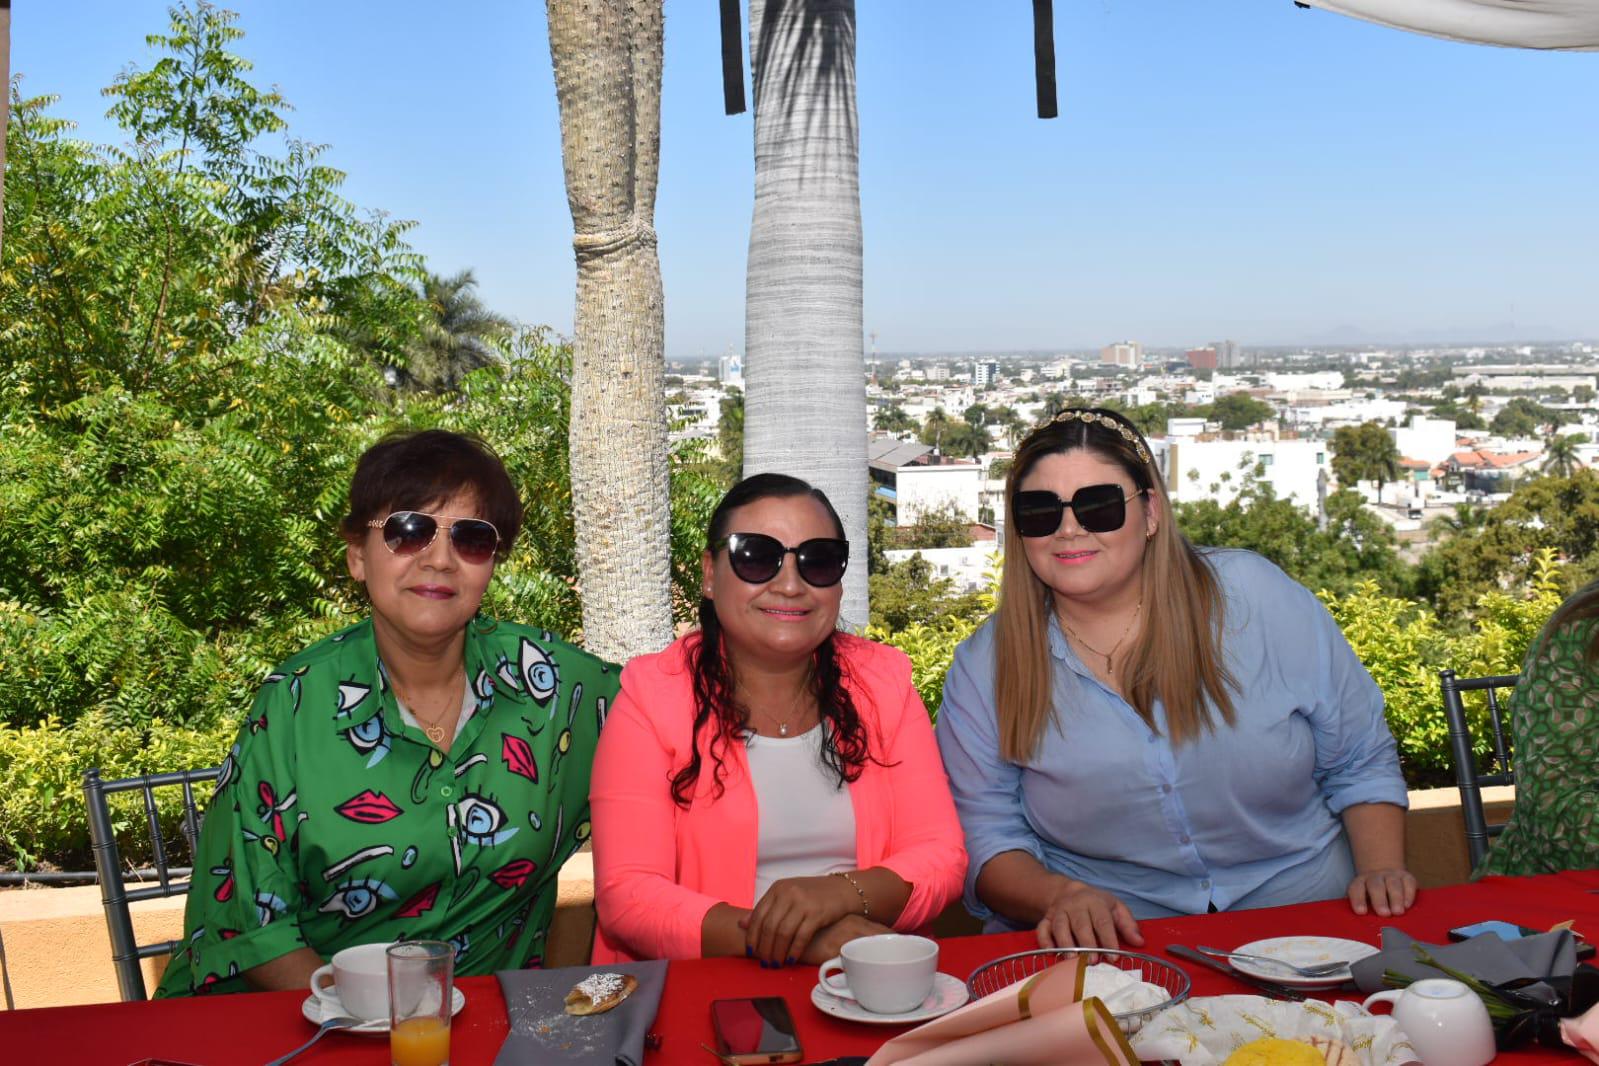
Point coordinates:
[[1429, 439], [1122, 353], [1199, 466], [730, 369]]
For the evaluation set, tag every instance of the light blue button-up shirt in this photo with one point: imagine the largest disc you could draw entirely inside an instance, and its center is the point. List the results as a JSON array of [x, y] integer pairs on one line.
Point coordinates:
[[1240, 817]]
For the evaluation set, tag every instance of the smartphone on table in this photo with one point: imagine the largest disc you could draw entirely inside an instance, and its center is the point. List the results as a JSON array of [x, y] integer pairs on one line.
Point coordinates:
[[755, 1031]]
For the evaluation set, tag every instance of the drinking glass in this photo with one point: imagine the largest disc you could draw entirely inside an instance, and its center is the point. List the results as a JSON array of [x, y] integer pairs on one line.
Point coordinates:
[[421, 985]]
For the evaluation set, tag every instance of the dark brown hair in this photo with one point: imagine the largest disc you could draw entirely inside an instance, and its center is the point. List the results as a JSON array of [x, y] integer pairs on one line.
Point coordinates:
[[845, 748], [413, 470], [1176, 657]]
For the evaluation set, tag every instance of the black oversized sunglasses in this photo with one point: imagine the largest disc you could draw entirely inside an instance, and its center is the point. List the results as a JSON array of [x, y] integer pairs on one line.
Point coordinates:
[[410, 532], [1099, 509], [757, 558]]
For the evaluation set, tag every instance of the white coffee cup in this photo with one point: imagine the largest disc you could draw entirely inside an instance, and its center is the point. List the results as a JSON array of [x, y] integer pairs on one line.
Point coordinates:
[[360, 985], [890, 973], [1446, 1023]]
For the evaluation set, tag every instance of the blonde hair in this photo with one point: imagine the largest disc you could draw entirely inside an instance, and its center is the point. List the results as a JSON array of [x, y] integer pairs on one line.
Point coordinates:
[[1176, 657]]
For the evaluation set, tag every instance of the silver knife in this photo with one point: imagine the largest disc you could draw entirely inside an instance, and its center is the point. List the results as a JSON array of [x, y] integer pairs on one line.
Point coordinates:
[[1270, 988]]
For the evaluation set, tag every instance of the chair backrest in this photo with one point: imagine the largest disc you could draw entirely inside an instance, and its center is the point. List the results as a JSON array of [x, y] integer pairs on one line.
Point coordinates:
[[169, 880], [1467, 779]]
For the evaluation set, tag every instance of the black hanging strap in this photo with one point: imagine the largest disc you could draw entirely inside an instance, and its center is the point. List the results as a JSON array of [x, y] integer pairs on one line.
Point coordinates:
[[1043, 56], [732, 58]]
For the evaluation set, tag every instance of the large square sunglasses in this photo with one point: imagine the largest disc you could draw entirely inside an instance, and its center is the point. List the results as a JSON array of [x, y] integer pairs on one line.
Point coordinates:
[[1099, 509], [757, 558], [410, 533]]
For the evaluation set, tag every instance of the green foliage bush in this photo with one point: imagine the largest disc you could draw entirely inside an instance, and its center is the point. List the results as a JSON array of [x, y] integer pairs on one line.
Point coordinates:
[[42, 813], [1403, 646]]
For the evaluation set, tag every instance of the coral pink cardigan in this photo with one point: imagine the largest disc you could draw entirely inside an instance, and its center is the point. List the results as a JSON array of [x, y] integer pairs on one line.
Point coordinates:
[[659, 868]]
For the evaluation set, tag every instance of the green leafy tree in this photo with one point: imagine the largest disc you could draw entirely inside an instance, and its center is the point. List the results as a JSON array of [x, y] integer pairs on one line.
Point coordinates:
[[730, 436], [907, 592], [941, 527], [1356, 545], [1560, 454], [893, 419], [459, 335], [964, 439], [1238, 411], [1557, 514], [1522, 417], [935, 426], [1364, 453]]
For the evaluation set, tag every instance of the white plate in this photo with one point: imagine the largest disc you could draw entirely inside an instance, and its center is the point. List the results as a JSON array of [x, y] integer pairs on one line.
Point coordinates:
[[1301, 951], [947, 994], [315, 1013]]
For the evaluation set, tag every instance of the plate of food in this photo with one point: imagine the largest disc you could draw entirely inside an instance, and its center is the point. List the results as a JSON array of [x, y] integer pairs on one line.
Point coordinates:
[[1300, 951]]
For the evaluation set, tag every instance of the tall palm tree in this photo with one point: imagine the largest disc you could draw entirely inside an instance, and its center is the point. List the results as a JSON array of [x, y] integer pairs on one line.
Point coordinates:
[[893, 420], [1560, 456], [607, 58], [935, 427], [804, 369], [459, 336]]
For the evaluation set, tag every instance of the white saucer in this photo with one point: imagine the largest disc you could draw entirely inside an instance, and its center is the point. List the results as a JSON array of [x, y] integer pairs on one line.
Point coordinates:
[[316, 1014], [1302, 951], [947, 994]]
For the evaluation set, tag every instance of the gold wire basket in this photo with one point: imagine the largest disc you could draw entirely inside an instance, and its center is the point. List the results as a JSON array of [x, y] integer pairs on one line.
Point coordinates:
[[1011, 969]]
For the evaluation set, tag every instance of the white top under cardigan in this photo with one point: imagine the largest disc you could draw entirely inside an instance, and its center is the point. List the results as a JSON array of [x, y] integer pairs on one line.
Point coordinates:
[[806, 822]]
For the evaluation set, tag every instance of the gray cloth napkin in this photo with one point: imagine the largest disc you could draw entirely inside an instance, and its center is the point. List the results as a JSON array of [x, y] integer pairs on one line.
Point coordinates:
[[1485, 956], [543, 1034]]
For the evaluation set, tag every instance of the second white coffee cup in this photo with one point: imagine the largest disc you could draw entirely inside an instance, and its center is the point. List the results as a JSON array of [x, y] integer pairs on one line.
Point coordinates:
[[887, 974], [360, 982], [1446, 1023]]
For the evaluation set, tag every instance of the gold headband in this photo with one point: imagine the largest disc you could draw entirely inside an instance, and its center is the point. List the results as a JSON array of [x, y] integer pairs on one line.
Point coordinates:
[[1078, 414]]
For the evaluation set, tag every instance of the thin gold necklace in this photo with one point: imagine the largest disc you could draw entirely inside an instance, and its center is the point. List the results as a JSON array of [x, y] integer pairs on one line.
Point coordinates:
[[435, 730], [1110, 666]]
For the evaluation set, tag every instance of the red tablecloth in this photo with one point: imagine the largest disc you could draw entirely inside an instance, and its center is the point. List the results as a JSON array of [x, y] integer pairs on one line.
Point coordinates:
[[250, 1029]]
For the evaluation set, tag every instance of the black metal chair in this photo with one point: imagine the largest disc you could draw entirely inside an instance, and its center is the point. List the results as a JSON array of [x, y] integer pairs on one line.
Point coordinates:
[[114, 893], [1467, 779]]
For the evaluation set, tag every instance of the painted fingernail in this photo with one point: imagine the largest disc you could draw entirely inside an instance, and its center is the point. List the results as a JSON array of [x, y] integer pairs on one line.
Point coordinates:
[[749, 952], [791, 961]]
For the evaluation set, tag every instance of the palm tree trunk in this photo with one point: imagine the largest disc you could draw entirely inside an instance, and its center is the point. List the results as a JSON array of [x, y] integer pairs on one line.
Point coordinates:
[[804, 366], [607, 58], [5, 106]]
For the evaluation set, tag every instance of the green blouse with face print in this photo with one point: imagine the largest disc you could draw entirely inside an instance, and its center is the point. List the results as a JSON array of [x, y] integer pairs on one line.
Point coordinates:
[[334, 823], [1554, 729]]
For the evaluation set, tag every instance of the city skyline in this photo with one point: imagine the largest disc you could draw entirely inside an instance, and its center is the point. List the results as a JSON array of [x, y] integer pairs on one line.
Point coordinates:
[[1282, 176]]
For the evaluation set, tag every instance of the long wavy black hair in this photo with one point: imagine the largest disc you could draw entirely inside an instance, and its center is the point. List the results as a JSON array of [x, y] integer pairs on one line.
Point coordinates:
[[845, 748]]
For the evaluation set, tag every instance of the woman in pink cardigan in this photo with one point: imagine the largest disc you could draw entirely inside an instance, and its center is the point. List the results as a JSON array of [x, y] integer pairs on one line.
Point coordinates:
[[768, 785]]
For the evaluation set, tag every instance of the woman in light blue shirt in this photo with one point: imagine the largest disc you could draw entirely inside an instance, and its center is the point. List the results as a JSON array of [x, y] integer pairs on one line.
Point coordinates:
[[1146, 728]]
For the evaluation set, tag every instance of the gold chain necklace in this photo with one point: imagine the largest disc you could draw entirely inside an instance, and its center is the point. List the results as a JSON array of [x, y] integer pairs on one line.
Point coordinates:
[[1110, 666], [435, 730]]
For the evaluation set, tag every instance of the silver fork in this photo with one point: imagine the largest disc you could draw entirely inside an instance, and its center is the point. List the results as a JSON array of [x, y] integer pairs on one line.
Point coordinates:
[[1323, 969], [338, 1021]]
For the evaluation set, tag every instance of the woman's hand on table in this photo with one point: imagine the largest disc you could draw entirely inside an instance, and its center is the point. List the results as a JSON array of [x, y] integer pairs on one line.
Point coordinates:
[[825, 944], [795, 909], [1080, 915], [1389, 891]]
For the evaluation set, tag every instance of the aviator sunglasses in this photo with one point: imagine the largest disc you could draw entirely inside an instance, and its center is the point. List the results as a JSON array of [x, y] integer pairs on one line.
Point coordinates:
[[410, 533], [1099, 509], [757, 558]]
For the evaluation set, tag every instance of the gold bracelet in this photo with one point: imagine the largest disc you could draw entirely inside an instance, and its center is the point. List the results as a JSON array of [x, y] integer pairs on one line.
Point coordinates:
[[866, 907]]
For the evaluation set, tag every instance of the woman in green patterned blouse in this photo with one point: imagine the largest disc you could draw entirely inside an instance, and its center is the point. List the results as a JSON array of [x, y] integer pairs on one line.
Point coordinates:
[[1554, 726], [421, 774]]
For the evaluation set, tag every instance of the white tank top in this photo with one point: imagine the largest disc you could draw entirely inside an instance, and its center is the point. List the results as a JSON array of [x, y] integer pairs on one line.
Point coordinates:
[[807, 823]]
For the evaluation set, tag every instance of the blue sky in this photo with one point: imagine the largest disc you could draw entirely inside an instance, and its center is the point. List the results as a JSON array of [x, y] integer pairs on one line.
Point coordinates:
[[1233, 168]]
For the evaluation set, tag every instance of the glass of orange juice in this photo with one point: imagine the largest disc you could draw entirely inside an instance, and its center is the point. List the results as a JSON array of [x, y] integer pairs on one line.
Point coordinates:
[[421, 986]]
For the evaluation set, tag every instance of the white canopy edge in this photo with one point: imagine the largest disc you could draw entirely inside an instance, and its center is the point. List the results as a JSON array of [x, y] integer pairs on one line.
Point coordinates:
[[1567, 25]]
